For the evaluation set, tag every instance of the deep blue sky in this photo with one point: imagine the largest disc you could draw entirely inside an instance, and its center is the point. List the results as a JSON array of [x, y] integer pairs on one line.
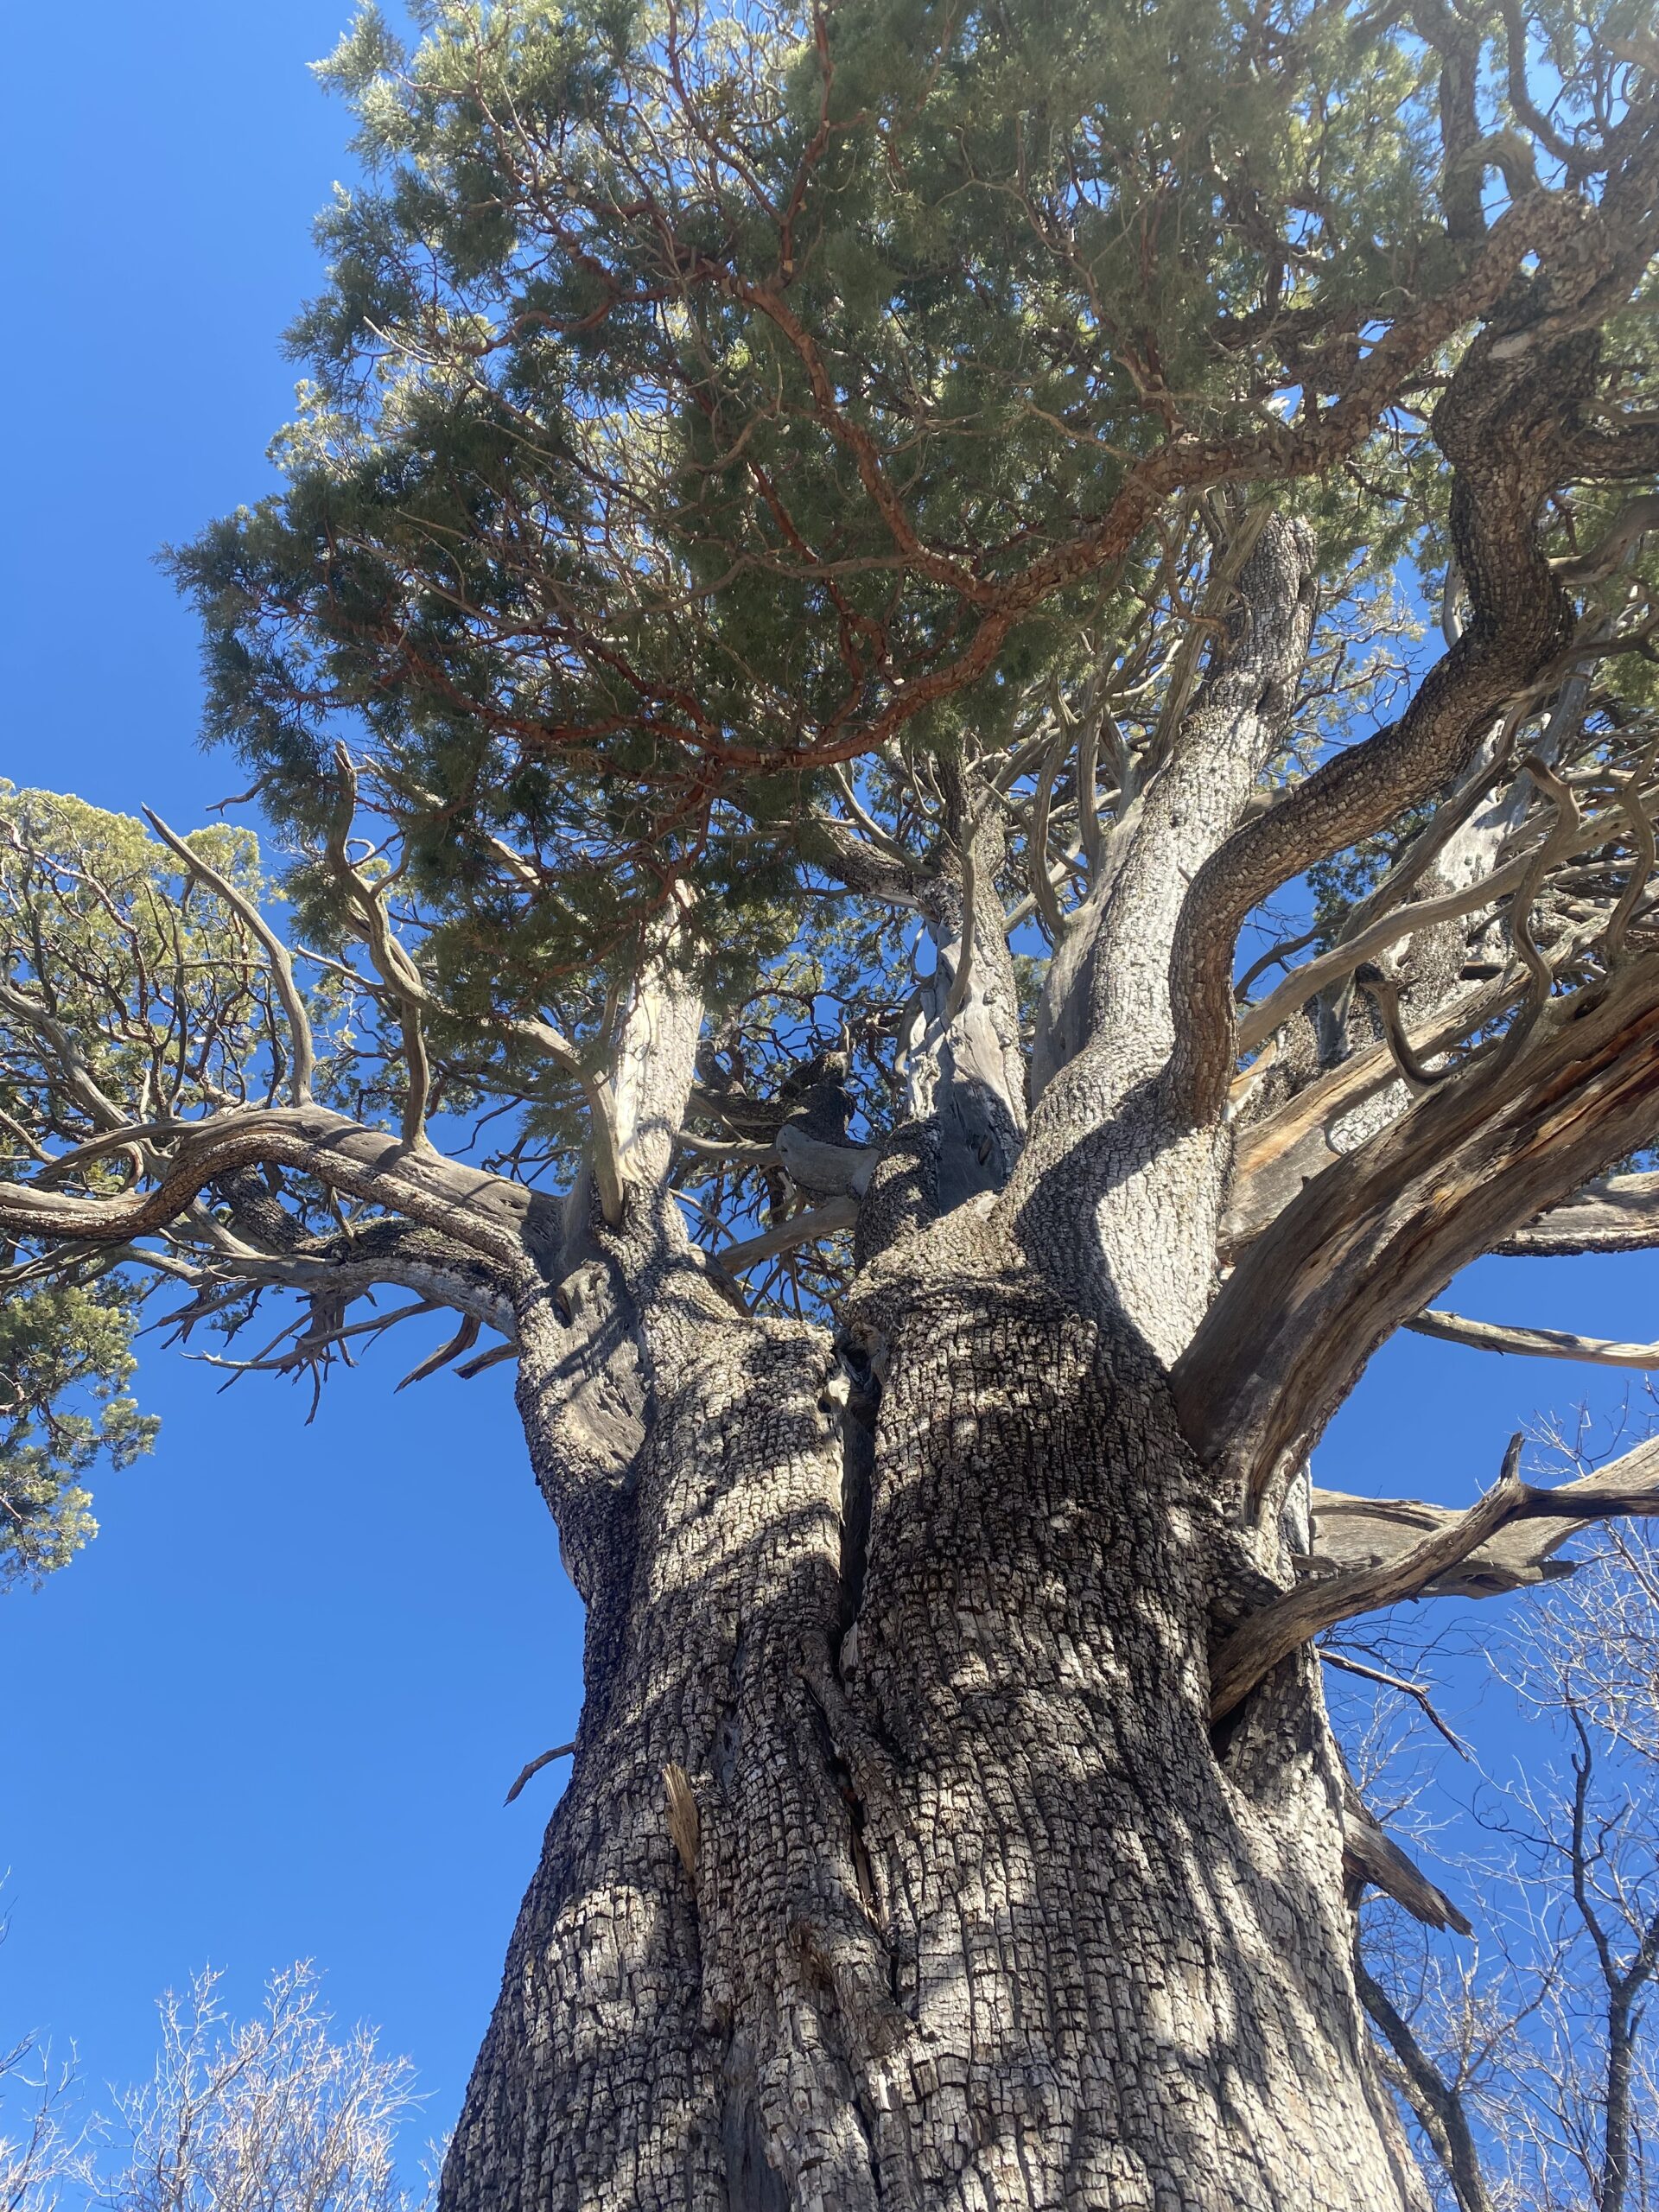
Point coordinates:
[[273, 1711]]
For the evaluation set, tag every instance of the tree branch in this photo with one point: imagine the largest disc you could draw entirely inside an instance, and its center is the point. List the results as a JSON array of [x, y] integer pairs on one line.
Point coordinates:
[[1370, 1854], [394, 966], [558, 1751], [1500, 424], [1258, 1022], [404, 980], [1618, 1214], [1279, 1156], [1437, 2105], [1536, 1343], [1250, 1653], [788, 1236], [1375, 1235], [1404, 1685], [1042, 883], [1633, 522], [281, 968], [478, 1211]]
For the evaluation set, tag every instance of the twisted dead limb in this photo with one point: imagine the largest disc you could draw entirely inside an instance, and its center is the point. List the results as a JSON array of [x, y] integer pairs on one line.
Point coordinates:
[[1249, 1654]]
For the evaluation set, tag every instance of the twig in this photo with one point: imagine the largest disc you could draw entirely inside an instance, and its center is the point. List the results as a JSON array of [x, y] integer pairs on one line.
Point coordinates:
[[1347, 1666], [558, 1751]]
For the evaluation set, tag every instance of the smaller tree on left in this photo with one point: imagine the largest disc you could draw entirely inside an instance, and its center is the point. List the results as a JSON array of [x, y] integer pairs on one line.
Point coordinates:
[[123, 978]]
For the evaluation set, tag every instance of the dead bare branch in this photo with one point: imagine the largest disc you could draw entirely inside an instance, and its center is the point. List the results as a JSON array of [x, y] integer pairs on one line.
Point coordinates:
[[1536, 1343], [1346, 1665], [1369, 1854], [526, 1773], [1250, 1653], [788, 1236]]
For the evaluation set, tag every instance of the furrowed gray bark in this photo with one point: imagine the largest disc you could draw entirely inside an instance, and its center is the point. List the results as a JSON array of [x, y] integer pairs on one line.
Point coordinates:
[[976, 1912]]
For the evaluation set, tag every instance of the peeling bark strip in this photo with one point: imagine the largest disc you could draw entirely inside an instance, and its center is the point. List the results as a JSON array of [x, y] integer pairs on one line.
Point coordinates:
[[684, 1825]]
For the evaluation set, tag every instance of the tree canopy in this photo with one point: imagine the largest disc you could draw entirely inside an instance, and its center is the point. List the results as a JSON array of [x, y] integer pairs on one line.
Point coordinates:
[[760, 462], [702, 402]]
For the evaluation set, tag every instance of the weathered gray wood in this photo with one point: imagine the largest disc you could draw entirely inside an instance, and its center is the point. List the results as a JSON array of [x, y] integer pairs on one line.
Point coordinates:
[[1442, 1558], [1533, 1344]]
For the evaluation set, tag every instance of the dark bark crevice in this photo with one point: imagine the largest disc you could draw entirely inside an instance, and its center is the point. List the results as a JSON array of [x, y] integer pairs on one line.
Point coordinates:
[[860, 1409]]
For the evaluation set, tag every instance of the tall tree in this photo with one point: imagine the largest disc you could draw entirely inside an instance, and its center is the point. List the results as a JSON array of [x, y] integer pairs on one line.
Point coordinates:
[[832, 564]]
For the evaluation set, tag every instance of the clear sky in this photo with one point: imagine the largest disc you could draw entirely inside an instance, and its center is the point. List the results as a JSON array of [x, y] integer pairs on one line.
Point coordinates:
[[273, 1711]]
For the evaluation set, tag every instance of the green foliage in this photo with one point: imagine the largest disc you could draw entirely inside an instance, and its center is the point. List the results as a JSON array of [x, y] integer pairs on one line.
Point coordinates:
[[66, 1356], [683, 382], [717, 433], [127, 994], [153, 995]]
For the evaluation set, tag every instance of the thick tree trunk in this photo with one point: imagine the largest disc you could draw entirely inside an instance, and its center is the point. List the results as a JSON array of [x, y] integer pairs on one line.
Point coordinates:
[[898, 1866]]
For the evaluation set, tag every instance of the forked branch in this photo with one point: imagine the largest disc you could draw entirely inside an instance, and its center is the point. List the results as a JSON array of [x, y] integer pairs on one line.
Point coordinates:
[[403, 981], [281, 968], [1251, 1652]]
